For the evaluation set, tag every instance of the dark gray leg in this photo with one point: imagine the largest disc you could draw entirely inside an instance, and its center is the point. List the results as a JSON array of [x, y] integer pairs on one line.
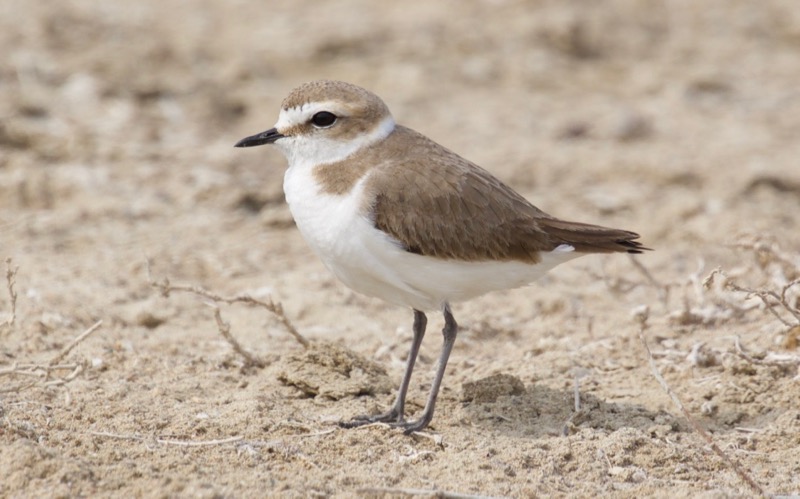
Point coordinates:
[[420, 323], [395, 415], [449, 332]]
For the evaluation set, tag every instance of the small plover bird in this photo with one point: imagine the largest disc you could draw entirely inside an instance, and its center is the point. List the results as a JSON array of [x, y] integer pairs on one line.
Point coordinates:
[[397, 216]]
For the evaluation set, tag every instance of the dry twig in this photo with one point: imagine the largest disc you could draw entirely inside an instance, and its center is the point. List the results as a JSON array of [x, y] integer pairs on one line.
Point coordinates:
[[44, 372], [72, 344], [641, 316], [771, 299], [437, 439], [250, 446], [34, 370], [316, 433], [225, 330], [577, 405], [163, 441], [270, 306], [770, 360], [202, 443], [11, 280], [439, 494]]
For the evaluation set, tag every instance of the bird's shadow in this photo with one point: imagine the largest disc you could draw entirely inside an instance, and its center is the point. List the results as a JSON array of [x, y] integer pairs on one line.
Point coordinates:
[[541, 412]]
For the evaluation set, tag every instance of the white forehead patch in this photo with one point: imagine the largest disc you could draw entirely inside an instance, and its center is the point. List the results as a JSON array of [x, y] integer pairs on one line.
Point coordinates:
[[298, 115]]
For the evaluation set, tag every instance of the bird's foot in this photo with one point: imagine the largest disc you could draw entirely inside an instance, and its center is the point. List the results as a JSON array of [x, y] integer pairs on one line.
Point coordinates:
[[391, 417], [410, 427]]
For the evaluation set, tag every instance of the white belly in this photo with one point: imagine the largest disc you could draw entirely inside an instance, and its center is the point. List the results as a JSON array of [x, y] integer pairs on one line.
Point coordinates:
[[370, 262]]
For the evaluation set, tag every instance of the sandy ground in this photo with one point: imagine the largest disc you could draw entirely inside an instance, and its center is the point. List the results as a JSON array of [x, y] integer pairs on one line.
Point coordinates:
[[679, 120]]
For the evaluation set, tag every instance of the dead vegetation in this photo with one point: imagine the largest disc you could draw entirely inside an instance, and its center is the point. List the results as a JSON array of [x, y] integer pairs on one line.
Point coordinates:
[[641, 315], [166, 288], [51, 373], [11, 278], [719, 298]]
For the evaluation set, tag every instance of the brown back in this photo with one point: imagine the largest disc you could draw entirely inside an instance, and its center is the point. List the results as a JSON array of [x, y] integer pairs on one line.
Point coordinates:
[[438, 204]]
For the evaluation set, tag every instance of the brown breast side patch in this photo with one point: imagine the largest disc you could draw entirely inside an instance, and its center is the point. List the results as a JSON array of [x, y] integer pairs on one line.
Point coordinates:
[[340, 177]]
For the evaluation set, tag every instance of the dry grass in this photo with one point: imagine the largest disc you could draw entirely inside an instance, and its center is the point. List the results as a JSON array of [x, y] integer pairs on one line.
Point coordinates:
[[720, 298], [224, 328], [11, 279], [45, 373], [51, 373], [642, 315]]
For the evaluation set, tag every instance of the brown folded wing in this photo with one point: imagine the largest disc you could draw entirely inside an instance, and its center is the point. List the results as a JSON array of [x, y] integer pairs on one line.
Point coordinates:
[[436, 203]]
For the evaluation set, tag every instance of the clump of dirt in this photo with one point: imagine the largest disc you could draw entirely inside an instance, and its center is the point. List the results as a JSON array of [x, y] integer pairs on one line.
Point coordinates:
[[332, 371], [490, 388]]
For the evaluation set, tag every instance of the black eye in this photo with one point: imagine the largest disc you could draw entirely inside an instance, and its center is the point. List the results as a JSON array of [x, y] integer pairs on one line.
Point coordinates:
[[323, 119]]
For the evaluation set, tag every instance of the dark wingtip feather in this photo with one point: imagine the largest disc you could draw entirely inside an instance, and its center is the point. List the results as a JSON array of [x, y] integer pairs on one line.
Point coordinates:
[[633, 247], [589, 238]]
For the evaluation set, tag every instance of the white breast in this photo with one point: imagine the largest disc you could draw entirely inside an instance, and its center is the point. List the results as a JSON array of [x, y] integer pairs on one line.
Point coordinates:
[[329, 223]]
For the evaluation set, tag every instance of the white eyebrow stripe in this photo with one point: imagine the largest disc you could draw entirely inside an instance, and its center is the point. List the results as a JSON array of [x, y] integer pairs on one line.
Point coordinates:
[[315, 151], [298, 115]]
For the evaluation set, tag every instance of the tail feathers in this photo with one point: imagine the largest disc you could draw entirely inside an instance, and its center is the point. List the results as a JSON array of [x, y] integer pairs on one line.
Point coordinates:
[[591, 238]]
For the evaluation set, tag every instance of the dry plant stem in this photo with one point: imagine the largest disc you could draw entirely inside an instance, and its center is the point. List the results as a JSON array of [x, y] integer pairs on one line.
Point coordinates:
[[317, 433], [787, 361], [282, 442], [437, 439], [439, 494], [15, 389], [11, 279], [19, 367], [183, 443], [225, 331], [692, 422], [783, 295], [763, 294], [67, 349], [43, 371], [63, 381], [180, 443], [35, 370], [576, 396], [274, 308]]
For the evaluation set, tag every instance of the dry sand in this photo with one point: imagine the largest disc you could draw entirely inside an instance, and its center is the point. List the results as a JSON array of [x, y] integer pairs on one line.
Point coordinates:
[[679, 120]]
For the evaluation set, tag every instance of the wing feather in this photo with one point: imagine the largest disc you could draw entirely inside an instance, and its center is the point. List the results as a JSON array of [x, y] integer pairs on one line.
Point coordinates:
[[435, 203]]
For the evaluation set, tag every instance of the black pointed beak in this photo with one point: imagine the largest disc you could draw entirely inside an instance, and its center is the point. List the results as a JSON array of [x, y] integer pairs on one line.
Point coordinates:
[[260, 139]]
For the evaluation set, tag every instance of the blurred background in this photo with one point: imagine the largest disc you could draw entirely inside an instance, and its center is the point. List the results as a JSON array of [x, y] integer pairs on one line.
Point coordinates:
[[677, 119]]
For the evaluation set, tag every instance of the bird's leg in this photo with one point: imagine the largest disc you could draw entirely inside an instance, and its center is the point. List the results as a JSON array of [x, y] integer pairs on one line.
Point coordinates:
[[395, 414], [449, 332], [420, 323]]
